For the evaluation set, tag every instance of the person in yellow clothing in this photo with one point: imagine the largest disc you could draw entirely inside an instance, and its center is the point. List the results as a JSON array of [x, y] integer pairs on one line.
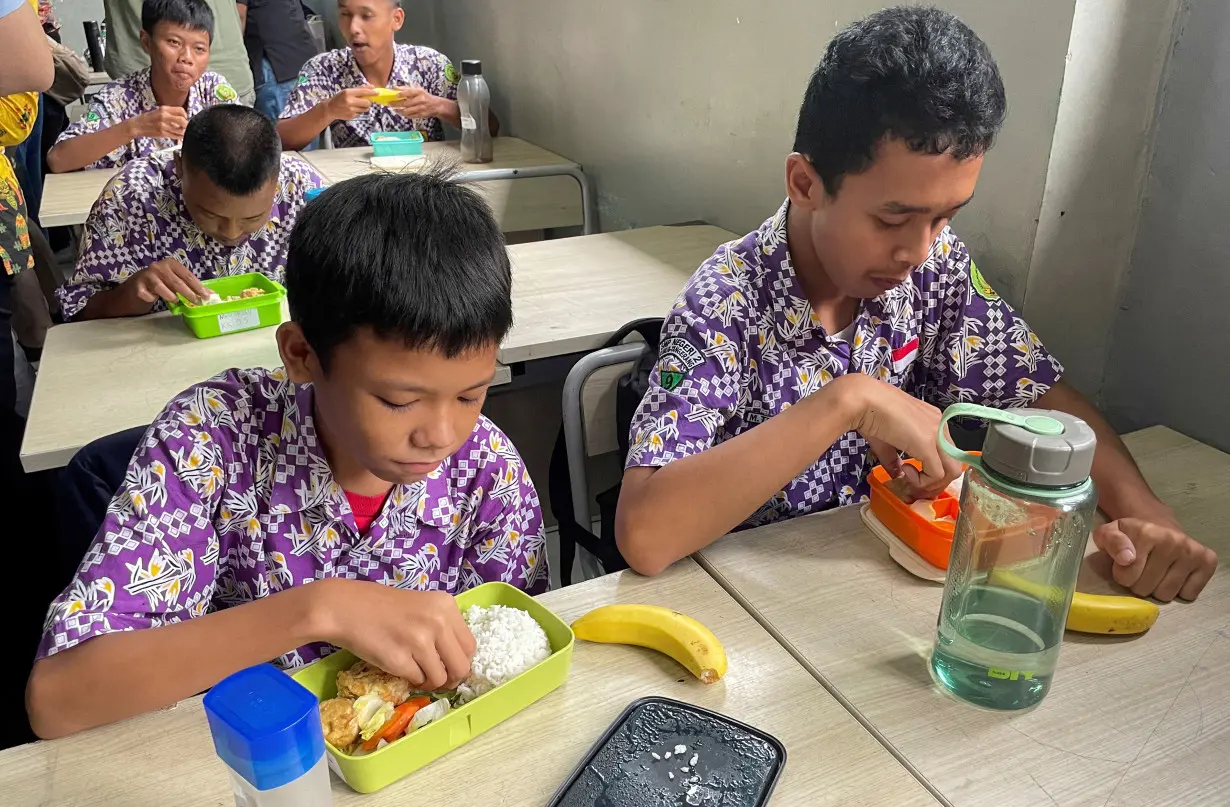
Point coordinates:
[[17, 116]]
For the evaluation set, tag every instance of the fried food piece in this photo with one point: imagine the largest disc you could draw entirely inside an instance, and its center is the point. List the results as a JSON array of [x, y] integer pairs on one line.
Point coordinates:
[[364, 679], [252, 292], [340, 724]]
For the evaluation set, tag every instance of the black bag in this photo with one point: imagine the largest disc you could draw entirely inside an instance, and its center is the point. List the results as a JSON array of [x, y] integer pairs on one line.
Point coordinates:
[[630, 390]]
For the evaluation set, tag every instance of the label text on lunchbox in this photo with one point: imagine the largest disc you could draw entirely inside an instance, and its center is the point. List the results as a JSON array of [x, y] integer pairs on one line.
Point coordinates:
[[239, 320]]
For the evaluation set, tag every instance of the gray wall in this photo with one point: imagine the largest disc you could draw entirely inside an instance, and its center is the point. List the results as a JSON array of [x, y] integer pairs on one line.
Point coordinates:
[[1169, 360], [686, 109]]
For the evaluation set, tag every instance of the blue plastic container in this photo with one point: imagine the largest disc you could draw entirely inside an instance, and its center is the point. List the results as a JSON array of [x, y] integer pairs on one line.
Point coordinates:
[[266, 728]]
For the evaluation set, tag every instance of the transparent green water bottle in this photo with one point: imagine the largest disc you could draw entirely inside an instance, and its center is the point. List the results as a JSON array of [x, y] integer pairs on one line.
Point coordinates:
[[1027, 508]]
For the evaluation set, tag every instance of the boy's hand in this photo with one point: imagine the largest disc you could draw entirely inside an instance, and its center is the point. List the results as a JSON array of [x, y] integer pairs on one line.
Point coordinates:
[[164, 280], [892, 421], [350, 104], [163, 122], [1156, 559], [416, 102], [417, 635]]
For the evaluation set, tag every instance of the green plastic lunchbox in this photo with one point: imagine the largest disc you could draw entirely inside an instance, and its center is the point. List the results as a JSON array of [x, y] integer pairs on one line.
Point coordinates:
[[396, 144], [369, 773], [216, 319]]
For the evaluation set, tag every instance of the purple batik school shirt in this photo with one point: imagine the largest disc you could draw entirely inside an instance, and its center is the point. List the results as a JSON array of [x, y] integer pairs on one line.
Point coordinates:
[[742, 344], [229, 498], [413, 66], [141, 219], [132, 96]]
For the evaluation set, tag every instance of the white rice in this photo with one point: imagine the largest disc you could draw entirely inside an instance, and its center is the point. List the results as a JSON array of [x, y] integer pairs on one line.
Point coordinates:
[[508, 641]]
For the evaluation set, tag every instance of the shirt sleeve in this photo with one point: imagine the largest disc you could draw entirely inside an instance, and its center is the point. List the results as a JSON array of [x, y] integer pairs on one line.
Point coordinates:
[[316, 85], [977, 349], [154, 561], [506, 540], [441, 75], [99, 115], [18, 113], [107, 258], [695, 387]]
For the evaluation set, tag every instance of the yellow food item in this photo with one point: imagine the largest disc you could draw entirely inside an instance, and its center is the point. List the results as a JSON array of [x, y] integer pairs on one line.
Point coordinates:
[[1089, 613], [385, 95], [670, 632]]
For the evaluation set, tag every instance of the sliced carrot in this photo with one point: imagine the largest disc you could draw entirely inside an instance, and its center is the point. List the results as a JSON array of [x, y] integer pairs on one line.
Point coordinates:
[[395, 726]]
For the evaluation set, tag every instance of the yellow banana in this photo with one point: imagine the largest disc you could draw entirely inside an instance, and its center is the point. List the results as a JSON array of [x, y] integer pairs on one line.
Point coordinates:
[[678, 636], [1089, 613]]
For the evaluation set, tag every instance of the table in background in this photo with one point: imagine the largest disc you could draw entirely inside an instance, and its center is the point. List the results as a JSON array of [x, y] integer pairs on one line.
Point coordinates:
[[1129, 720], [168, 757], [549, 191], [67, 198], [569, 295]]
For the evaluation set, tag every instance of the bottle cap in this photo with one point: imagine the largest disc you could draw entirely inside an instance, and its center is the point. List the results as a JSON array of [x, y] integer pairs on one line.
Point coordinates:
[[471, 67], [266, 726], [1043, 457]]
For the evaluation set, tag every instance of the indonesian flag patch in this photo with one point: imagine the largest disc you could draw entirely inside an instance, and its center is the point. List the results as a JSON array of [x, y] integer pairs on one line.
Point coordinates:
[[904, 356]]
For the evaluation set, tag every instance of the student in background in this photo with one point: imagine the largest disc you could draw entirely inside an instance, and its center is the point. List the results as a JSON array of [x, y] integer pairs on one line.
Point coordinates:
[[279, 43], [337, 501], [222, 205], [227, 53], [335, 88], [148, 110], [801, 353]]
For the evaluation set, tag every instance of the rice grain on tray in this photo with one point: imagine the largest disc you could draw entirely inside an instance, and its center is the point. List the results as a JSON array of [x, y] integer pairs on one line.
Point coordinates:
[[508, 641]]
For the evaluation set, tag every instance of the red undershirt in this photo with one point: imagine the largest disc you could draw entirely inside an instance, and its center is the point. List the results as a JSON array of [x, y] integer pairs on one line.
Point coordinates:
[[365, 509]]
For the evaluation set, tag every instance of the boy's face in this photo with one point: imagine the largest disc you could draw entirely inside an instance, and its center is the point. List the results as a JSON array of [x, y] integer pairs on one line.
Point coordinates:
[[368, 26], [180, 55], [387, 410], [881, 223], [220, 215]]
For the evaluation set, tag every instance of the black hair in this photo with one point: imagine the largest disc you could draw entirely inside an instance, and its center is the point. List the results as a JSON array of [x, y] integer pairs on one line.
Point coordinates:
[[916, 74], [415, 257], [195, 15], [235, 146]]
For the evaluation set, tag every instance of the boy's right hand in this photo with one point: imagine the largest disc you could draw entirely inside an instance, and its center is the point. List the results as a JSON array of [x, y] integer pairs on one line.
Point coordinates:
[[163, 122], [350, 104], [164, 280], [417, 635], [893, 421]]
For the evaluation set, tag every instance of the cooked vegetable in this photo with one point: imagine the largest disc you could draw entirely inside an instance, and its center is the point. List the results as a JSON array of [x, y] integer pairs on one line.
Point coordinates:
[[429, 714], [396, 725], [372, 714]]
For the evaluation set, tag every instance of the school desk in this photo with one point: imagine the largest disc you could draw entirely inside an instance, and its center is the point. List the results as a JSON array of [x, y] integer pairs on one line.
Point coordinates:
[[168, 758], [1129, 721], [548, 191], [569, 295], [67, 198]]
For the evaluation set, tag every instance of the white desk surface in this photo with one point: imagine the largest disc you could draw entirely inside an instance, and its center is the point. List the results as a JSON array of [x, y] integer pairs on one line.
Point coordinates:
[[1129, 722], [168, 758], [67, 198], [521, 204]]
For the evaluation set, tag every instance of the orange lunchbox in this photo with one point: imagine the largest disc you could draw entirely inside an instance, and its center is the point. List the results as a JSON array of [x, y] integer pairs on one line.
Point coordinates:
[[930, 539], [1023, 539]]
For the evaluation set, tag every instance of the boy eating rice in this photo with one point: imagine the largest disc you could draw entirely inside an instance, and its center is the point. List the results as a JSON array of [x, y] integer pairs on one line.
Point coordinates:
[[363, 467]]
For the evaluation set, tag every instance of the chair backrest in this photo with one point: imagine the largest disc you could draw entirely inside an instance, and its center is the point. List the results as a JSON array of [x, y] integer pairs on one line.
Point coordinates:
[[630, 388]]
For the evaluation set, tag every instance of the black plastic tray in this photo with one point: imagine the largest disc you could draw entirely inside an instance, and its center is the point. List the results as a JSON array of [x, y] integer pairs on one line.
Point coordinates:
[[735, 765]]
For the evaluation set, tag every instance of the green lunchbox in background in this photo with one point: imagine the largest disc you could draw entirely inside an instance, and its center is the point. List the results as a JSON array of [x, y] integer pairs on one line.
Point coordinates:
[[398, 759], [396, 144], [216, 319]]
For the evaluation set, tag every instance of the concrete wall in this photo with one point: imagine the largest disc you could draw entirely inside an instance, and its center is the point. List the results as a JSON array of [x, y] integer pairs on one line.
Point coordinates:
[[1168, 363], [686, 110], [1096, 178]]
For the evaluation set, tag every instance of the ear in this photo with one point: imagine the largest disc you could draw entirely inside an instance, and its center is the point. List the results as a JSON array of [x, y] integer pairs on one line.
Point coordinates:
[[399, 18], [803, 184], [302, 365], [147, 44]]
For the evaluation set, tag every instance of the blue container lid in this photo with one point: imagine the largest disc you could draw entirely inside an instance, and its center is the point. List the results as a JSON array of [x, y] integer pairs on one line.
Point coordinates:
[[312, 193], [266, 726]]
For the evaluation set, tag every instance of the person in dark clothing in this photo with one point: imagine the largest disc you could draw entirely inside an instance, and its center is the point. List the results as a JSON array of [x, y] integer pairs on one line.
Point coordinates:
[[279, 42]]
